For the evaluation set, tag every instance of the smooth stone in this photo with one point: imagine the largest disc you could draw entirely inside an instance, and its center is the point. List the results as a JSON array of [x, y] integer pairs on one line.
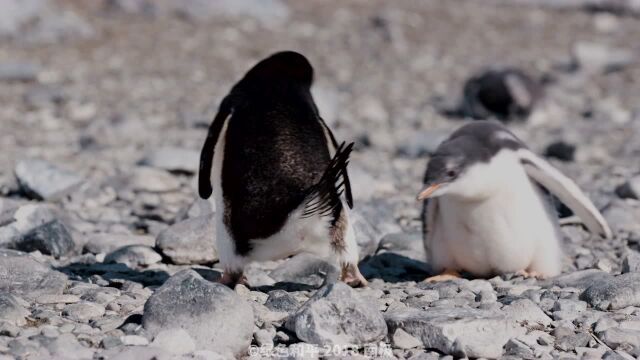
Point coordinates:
[[174, 341], [148, 179], [134, 256], [191, 241], [173, 159], [106, 243], [44, 180]]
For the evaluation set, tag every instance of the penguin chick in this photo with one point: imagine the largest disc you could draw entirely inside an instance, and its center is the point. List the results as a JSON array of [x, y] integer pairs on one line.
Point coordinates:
[[485, 213], [278, 176]]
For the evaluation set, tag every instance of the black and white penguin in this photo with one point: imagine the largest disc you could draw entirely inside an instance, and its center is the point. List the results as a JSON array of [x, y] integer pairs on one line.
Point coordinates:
[[485, 213], [278, 176]]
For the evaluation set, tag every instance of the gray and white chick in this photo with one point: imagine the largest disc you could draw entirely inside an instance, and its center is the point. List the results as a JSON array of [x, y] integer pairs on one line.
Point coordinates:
[[484, 211]]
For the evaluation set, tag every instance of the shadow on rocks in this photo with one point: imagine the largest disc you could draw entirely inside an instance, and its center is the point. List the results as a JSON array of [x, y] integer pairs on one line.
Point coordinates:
[[114, 273], [393, 268]]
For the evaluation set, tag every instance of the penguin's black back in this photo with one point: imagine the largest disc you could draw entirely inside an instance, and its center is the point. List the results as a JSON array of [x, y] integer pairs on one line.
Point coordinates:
[[275, 150]]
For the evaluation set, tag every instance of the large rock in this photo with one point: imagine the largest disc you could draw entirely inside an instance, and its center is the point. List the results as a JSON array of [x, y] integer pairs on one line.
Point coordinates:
[[173, 159], [24, 276], [618, 293], [190, 241], [11, 310], [51, 238], [44, 180], [214, 316], [458, 332], [337, 315]]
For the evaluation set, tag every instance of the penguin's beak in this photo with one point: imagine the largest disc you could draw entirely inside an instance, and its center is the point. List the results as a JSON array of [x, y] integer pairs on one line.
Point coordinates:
[[428, 191]]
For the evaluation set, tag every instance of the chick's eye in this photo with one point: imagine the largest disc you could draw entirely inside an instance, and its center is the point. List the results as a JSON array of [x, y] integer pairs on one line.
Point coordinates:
[[451, 173]]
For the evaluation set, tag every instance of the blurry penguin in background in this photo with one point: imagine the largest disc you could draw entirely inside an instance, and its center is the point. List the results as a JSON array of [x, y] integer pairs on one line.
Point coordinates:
[[277, 173], [484, 211]]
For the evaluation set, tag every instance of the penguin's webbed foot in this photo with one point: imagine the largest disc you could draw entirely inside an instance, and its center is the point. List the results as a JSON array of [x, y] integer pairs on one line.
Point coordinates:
[[530, 274], [351, 276], [233, 278], [448, 274]]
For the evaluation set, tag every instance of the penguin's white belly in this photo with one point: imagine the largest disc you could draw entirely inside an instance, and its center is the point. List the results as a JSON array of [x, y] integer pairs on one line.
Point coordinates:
[[501, 234], [297, 235]]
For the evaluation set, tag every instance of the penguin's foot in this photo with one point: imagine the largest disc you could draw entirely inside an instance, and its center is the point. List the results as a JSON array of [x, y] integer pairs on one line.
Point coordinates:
[[448, 274], [351, 276], [530, 274], [233, 278]]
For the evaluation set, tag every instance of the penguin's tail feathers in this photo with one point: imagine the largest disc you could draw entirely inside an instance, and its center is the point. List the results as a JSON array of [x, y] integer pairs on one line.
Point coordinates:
[[324, 197]]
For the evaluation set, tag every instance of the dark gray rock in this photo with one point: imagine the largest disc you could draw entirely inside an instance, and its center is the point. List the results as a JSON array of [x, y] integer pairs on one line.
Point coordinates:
[[44, 180], [191, 241], [304, 269], [618, 293], [11, 310], [336, 315], [561, 150], [282, 301], [630, 189], [458, 332], [173, 159], [51, 238], [134, 256], [408, 245], [22, 275], [18, 71], [214, 316]]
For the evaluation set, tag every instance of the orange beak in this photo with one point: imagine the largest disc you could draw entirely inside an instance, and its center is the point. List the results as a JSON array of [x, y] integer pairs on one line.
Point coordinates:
[[428, 191]]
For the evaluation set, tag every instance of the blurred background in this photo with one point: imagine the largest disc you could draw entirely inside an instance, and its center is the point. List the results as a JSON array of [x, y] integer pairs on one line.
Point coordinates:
[[107, 102]]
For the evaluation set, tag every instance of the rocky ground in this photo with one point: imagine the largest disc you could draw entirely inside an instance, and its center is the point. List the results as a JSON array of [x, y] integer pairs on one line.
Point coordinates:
[[108, 253]]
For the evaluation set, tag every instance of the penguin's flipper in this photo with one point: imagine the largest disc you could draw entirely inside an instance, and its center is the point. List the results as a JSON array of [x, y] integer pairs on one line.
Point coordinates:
[[347, 184], [206, 155], [324, 197], [566, 190]]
